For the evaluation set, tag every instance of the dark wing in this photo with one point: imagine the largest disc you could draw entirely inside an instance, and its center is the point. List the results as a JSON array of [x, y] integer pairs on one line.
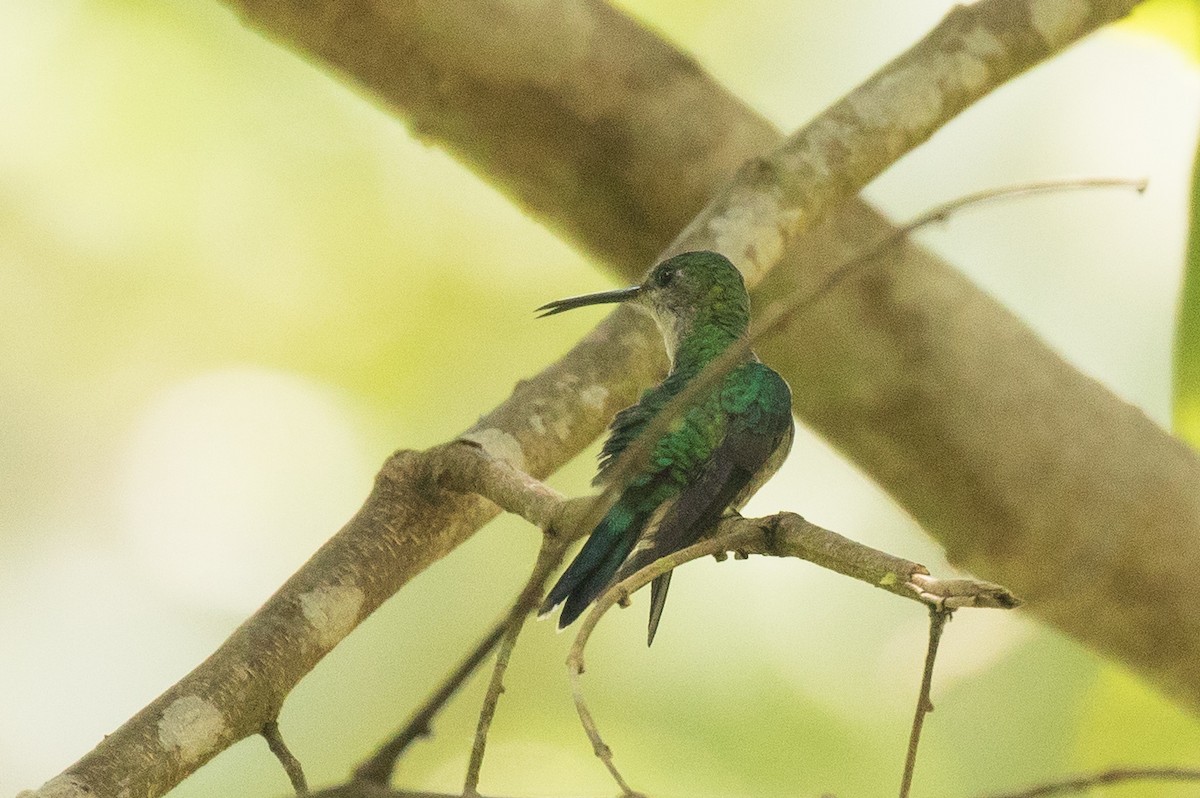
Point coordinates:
[[758, 433]]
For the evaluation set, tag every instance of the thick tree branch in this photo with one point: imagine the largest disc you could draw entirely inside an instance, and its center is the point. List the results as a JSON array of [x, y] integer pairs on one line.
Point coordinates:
[[409, 522], [1027, 470]]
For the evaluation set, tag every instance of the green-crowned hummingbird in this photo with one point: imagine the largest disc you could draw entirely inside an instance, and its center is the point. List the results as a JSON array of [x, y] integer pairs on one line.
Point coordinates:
[[723, 449]]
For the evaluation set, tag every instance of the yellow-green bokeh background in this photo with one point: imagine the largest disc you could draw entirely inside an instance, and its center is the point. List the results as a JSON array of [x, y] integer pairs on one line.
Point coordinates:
[[229, 287]]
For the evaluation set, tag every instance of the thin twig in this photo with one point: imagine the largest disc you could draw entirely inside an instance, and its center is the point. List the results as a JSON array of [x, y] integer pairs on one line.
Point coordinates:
[[554, 547], [380, 767], [638, 452], [521, 494], [291, 765], [938, 616], [599, 747], [788, 535], [1113, 776]]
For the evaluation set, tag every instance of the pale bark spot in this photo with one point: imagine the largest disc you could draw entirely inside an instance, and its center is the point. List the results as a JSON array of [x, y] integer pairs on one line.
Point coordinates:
[[1058, 21], [332, 611], [191, 726], [594, 396], [499, 444], [906, 99], [748, 232], [982, 42]]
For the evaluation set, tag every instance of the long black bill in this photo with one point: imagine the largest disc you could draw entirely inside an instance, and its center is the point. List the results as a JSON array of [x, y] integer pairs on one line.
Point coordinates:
[[601, 298]]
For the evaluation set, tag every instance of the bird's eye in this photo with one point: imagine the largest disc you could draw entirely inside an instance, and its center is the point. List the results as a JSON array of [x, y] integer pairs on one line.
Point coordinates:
[[664, 278]]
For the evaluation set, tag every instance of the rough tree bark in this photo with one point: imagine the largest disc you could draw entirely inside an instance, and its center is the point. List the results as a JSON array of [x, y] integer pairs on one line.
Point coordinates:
[[1013, 459], [1029, 472]]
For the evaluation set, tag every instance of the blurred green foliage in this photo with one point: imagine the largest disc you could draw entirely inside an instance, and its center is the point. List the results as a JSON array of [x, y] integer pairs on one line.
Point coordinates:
[[183, 203], [1174, 21]]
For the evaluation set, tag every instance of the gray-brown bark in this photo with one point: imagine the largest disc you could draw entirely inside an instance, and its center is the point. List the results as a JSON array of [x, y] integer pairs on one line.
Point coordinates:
[[1007, 454], [1029, 472]]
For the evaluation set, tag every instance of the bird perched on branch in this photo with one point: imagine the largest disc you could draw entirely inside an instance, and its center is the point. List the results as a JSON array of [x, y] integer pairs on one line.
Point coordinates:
[[722, 449]]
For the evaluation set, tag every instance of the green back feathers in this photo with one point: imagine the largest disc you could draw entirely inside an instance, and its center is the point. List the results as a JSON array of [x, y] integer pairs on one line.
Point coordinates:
[[756, 397]]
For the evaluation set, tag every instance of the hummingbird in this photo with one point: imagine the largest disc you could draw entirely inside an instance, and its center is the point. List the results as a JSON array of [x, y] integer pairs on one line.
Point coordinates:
[[710, 463]]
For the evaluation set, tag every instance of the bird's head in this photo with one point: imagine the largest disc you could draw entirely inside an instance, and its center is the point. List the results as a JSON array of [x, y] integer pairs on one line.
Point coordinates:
[[684, 293]]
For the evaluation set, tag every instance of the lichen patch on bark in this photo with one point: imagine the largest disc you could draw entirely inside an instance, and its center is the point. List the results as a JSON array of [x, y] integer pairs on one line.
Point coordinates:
[[1058, 21], [332, 611], [594, 396], [191, 726]]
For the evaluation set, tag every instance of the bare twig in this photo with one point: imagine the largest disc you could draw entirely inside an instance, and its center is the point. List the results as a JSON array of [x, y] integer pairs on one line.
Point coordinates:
[[407, 524], [1113, 776], [466, 466], [549, 557], [600, 748], [787, 535], [380, 767], [291, 765], [938, 616]]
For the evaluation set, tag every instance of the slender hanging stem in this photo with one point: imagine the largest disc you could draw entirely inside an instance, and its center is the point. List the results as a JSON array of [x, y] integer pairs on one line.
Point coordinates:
[[554, 548], [291, 765], [380, 767], [937, 621]]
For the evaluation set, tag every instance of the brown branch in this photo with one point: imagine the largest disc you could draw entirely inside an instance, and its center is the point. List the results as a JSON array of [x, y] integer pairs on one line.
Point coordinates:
[[1113, 776], [938, 616], [291, 765], [790, 535], [409, 521], [786, 535]]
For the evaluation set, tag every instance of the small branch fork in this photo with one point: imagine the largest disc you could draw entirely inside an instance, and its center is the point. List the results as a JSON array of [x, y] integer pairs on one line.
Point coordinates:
[[291, 765], [465, 466], [789, 535], [380, 767]]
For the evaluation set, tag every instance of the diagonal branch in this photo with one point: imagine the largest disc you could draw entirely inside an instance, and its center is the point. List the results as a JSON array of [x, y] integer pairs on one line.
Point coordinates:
[[410, 520], [1023, 468], [1088, 783], [788, 535], [378, 770]]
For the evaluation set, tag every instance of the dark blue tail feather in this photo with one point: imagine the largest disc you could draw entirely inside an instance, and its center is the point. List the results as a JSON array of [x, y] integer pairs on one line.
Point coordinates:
[[593, 568]]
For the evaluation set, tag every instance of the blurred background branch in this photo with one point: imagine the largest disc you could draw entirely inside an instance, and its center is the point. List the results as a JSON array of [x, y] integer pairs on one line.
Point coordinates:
[[898, 336], [1011, 457]]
